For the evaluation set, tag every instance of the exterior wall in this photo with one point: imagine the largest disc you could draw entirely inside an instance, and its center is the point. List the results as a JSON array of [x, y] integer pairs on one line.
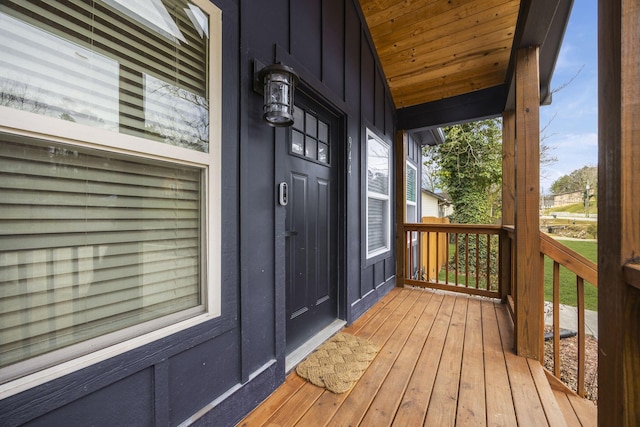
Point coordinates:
[[429, 205], [565, 199], [217, 372]]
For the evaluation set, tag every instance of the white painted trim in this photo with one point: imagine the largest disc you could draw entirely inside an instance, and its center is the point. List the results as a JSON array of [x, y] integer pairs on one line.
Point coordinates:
[[378, 196]]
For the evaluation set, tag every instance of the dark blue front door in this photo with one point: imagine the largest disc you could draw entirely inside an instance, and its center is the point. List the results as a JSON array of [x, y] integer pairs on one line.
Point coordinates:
[[311, 223]]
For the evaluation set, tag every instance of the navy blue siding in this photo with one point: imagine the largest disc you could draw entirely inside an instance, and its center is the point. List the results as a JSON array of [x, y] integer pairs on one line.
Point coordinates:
[[228, 365]]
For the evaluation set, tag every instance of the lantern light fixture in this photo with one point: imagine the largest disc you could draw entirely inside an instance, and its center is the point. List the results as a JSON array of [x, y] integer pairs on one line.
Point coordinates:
[[277, 82]]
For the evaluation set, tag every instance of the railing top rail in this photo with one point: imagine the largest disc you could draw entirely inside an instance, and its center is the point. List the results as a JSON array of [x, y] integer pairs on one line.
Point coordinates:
[[570, 259], [455, 228], [632, 274]]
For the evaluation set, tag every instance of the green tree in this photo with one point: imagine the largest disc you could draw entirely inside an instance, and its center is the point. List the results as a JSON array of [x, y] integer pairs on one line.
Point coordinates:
[[576, 180], [471, 169]]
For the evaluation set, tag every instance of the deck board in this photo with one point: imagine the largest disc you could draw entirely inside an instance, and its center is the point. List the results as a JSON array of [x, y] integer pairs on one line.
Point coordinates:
[[415, 401], [387, 400], [471, 410], [500, 409], [443, 403], [445, 359], [396, 333], [569, 414]]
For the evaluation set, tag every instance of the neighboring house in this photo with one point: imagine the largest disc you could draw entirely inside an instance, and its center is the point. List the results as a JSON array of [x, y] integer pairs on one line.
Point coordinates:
[[570, 198], [154, 267], [435, 204], [547, 201]]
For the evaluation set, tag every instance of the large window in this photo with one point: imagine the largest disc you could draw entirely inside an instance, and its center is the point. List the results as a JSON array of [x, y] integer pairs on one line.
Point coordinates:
[[378, 196], [109, 174]]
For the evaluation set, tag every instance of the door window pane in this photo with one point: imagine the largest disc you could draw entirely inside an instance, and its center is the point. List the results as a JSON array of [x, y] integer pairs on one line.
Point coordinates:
[[297, 142], [323, 153], [311, 148]]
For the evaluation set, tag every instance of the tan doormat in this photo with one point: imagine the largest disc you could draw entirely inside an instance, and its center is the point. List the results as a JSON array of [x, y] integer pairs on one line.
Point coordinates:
[[338, 363]]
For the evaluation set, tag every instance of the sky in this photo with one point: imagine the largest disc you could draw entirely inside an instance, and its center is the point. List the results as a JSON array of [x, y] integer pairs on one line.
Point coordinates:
[[572, 117]]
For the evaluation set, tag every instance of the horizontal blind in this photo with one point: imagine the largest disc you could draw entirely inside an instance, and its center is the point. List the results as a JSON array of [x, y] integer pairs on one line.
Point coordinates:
[[377, 211], [411, 184], [91, 62], [91, 244]]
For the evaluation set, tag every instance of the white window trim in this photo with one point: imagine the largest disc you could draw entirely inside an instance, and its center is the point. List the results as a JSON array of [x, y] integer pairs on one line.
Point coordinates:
[[378, 196], [33, 125]]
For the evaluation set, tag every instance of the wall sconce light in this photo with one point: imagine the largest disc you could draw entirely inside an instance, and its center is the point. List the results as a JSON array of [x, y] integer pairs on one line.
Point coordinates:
[[277, 83]]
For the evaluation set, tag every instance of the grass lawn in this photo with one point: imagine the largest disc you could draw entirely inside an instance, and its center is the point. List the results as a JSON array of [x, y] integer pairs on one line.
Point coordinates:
[[568, 293], [577, 208]]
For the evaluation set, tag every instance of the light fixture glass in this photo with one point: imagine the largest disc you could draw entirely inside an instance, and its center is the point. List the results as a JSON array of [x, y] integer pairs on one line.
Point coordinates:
[[279, 87]]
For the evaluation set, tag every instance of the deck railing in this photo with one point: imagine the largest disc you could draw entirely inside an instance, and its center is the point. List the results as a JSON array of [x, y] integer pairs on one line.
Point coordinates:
[[456, 257], [479, 260], [584, 270]]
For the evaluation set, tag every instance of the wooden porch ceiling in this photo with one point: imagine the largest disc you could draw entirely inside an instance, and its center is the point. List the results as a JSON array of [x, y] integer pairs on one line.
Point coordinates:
[[452, 61], [431, 50]]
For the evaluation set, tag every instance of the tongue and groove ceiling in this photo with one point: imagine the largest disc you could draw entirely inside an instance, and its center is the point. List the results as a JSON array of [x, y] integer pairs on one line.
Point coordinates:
[[434, 52]]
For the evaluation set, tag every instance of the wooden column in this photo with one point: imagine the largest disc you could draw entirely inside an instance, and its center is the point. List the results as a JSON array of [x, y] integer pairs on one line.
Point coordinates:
[[401, 205], [529, 292], [508, 167], [618, 212], [508, 197]]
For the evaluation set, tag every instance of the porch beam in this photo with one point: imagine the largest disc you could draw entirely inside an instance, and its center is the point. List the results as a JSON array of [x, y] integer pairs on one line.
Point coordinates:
[[529, 292], [401, 204], [619, 211]]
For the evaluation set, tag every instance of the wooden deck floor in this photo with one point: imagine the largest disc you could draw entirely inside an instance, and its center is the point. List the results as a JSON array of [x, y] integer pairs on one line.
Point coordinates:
[[445, 360]]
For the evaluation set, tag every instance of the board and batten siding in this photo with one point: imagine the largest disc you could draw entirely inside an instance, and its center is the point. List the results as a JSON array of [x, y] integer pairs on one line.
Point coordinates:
[[216, 372]]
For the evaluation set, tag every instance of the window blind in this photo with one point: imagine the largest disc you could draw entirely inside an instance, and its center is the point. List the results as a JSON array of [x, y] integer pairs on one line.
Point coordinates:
[[91, 243], [101, 64], [411, 184]]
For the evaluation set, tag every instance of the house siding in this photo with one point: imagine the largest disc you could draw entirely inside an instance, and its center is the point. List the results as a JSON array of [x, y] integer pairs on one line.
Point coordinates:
[[218, 371]]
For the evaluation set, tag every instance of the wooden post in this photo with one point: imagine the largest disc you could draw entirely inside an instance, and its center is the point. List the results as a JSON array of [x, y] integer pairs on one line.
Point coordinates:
[[508, 167], [529, 294], [618, 211], [508, 198], [401, 206]]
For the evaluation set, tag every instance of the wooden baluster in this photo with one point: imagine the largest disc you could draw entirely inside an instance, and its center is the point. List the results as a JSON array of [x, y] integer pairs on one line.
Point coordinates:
[[437, 269], [556, 319], [407, 263], [428, 257], [466, 260], [489, 261], [446, 263], [581, 333], [457, 267], [477, 260]]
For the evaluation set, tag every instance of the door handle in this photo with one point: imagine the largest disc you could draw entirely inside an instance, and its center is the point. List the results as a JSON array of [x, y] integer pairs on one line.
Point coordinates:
[[290, 233]]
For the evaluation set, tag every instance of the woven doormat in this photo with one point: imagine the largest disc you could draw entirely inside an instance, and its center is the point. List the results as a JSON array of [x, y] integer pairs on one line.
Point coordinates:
[[338, 363]]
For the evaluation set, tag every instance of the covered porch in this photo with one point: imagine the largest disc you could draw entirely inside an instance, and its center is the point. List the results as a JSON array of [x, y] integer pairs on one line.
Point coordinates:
[[445, 359]]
